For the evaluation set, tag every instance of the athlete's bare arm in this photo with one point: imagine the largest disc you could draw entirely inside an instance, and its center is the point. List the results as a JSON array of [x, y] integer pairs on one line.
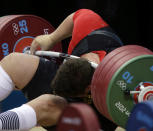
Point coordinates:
[[46, 42], [48, 108], [44, 110]]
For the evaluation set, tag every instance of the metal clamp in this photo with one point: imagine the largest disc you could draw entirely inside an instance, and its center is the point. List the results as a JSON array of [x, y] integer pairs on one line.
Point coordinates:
[[145, 93]]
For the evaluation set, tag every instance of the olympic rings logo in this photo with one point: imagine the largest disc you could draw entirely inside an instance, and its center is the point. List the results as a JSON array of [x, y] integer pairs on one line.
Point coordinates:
[[121, 84], [15, 28]]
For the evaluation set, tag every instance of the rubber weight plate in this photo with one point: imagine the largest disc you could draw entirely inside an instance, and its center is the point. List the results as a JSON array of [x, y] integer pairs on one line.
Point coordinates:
[[141, 117], [78, 117], [115, 94], [104, 65], [128, 76], [114, 66], [18, 31], [103, 73], [98, 82]]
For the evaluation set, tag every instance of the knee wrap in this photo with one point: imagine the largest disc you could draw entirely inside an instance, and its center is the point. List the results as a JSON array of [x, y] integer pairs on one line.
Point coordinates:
[[6, 84], [21, 118]]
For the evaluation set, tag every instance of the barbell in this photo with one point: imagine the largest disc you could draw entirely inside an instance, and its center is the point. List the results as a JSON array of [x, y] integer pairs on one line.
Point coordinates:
[[121, 80]]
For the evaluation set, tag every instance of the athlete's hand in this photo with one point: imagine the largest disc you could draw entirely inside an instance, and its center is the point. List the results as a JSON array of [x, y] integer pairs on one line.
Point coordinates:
[[45, 42]]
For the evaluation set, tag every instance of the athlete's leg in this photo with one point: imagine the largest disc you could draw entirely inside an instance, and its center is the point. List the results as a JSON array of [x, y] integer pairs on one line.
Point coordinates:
[[20, 67]]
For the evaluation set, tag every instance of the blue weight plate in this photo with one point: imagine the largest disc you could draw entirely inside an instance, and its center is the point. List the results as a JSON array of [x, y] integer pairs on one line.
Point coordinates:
[[141, 117]]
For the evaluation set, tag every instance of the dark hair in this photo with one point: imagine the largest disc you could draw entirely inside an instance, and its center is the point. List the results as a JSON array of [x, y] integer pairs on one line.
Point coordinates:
[[72, 78]]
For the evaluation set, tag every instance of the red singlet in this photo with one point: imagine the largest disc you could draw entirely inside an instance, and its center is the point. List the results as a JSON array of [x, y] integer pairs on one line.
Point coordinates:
[[85, 21]]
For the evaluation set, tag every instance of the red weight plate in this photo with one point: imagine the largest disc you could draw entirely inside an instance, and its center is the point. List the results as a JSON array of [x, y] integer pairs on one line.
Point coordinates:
[[103, 69], [109, 75], [95, 90], [78, 117], [18, 31], [105, 72]]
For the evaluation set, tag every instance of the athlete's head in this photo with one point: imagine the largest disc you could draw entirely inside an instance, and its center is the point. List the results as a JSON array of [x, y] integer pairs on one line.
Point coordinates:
[[73, 78]]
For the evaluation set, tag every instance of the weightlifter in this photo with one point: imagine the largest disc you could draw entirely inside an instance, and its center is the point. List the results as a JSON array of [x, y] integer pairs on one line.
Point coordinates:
[[33, 75], [20, 71], [91, 38]]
